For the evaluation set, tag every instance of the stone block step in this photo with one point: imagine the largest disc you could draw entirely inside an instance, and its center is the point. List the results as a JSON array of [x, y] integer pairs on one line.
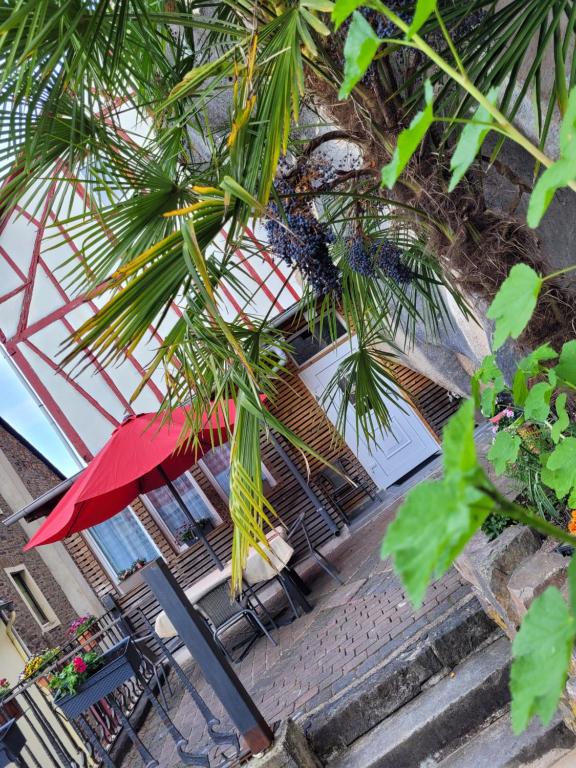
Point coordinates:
[[442, 714], [498, 747], [338, 723]]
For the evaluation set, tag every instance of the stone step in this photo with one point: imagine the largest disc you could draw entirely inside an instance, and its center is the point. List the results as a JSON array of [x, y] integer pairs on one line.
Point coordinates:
[[496, 746], [336, 724], [442, 714]]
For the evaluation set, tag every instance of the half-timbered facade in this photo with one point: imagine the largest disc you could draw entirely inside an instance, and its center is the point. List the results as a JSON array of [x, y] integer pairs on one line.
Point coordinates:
[[37, 313]]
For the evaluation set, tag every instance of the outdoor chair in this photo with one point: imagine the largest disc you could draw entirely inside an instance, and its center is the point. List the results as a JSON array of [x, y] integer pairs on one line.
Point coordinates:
[[152, 655], [222, 613], [339, 488], [300, 527]]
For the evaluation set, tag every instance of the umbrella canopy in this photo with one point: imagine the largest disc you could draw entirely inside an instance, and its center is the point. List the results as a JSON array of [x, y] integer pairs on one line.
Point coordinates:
[[142, 454]]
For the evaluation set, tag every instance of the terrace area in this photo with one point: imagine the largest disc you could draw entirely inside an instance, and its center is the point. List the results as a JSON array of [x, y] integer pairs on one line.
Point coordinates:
[[352, 630]]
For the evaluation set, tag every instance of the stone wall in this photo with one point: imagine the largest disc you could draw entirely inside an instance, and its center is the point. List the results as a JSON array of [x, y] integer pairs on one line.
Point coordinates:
[[38, 476]]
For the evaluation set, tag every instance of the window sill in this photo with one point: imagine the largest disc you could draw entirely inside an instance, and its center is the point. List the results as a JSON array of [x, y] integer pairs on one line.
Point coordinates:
[[130, 583]]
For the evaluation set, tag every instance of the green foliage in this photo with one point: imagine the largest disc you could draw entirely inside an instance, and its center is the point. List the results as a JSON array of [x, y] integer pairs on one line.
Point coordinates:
[[561, 173], [439, 517], [342, 9], [471, 140], [491, 376], [72, 675], [409, 140], [566, 368], [504, 450], [527, 367], [359, 50], [424, 8], [514, 303], [559, 471], [562, 421], [541, 651], [494, 525], [537, 405]]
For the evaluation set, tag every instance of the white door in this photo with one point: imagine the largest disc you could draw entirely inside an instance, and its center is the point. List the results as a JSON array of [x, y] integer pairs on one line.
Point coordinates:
[[394, 453]]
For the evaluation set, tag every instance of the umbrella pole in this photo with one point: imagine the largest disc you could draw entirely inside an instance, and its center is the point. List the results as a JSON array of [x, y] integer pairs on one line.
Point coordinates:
[[197, 530]]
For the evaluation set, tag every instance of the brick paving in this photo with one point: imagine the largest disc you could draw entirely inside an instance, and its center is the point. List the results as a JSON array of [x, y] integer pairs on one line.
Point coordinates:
[[352, 629]]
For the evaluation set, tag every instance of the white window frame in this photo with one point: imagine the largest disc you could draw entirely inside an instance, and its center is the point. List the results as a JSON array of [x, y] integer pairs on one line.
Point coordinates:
[[336, 343], [270, 479], [34, 589], [151, 507], [104, 562]]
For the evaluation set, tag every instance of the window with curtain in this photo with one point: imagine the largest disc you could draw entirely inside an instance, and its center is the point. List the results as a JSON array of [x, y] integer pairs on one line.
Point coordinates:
[[173, 516], [123, 541], [216, 464]]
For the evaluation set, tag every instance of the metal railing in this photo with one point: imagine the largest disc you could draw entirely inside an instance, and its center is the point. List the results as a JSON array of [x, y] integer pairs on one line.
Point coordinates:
[[99, 736]]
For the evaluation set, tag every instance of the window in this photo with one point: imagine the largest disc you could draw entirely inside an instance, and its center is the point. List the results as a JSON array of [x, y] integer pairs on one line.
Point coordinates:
[[173, 518], [311, 341], [216, 466], [122, 541], [33, 597]]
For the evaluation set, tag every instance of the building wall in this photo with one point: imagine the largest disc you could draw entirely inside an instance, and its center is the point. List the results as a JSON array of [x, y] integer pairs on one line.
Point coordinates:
[[37, 477], [296, 407]]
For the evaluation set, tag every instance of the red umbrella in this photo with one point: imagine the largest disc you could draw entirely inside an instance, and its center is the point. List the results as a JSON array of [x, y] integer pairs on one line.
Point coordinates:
[[139, 456]]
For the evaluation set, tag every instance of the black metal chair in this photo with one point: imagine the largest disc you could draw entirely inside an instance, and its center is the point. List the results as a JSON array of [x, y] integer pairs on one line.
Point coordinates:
[[315, 554], [342, 483], [222, 613]]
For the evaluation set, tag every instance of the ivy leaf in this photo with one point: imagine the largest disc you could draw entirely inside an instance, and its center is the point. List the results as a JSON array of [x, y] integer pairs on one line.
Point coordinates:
[[438, 517], [560, 470], [527, 367], [514, 303], [409, 139], [471, 139], [488, 402], [566, 368], [432, 527], [488, 373], [504, 451], [563, 419], [561, 173], [541, 651], [537, 405], [531, 363], [342, 9], [424, 8], [458, 446], [359, 50]]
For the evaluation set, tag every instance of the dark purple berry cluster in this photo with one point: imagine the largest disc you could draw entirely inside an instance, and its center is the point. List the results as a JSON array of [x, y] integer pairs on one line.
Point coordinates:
[[388, 258], [367, 258], [297, 237]]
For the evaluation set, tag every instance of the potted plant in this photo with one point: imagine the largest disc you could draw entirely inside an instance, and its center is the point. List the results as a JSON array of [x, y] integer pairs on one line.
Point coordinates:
[[186, 533], [10, 709], [37, 663], [128, 579], [83, 630], [89, 677]]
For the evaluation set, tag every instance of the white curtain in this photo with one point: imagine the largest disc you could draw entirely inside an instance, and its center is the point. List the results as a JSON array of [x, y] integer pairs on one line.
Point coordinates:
[[123, 540]]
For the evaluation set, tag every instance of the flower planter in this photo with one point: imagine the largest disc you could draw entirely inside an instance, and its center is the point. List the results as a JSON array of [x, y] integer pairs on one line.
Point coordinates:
[[11, 743], [120, 663], [86, 640], [9, 710], [130, 582], [42, 681]]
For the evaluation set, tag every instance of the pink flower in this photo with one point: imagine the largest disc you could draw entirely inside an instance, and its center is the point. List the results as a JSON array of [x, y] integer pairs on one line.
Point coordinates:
[[494, 430], [507, 413], [79, 665]]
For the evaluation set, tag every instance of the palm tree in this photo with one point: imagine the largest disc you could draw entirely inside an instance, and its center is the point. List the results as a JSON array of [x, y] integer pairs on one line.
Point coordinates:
[[212, 93]]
